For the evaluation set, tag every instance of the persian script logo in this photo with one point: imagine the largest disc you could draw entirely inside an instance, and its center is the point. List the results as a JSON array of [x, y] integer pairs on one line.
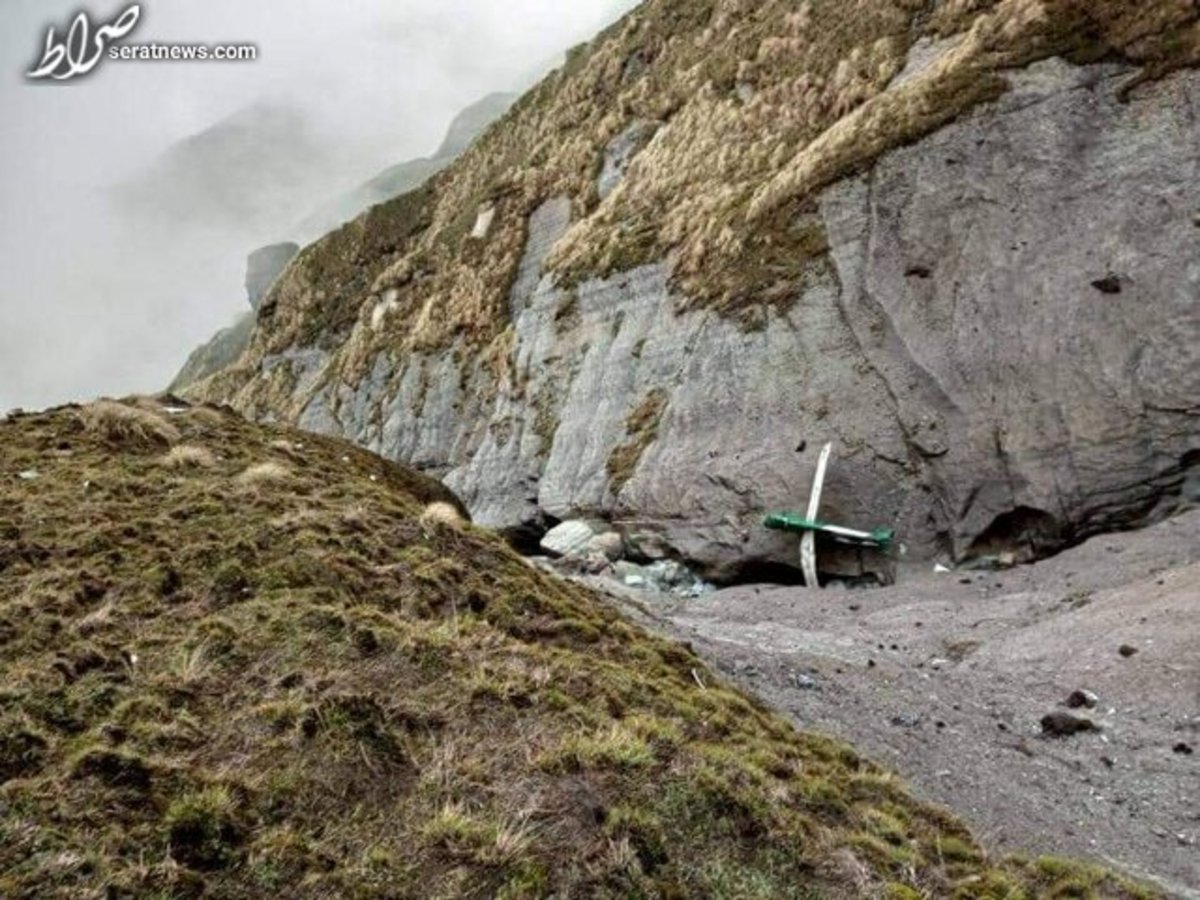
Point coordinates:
[[83, 47]]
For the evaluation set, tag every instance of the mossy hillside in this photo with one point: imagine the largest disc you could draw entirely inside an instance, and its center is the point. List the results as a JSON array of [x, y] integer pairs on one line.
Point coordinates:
[[239, 661], [763, 103]]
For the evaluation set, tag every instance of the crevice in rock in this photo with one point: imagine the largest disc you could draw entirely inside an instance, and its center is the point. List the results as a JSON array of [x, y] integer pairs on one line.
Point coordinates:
[[1023, 535], [526, 537], [759, 571]]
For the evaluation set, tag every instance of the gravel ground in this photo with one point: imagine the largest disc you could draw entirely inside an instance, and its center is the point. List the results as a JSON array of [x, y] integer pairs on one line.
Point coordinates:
[[947, 677]]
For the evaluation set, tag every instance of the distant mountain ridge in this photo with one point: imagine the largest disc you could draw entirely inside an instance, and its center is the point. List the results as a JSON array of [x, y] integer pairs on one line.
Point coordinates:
[[246, 171], [407, 176]]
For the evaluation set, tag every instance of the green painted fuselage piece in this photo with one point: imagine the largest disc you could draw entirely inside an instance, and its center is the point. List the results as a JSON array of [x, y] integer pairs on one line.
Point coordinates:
[[879, 537]]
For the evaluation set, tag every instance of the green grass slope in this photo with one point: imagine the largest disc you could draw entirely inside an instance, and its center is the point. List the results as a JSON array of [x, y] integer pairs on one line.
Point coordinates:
[[239, 661]]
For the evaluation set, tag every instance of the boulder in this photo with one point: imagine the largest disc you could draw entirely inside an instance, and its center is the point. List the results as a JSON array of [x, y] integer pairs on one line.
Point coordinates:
[[571, 538]]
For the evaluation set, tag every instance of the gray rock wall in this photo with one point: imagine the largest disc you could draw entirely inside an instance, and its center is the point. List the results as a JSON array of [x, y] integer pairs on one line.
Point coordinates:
[[1003, 343]]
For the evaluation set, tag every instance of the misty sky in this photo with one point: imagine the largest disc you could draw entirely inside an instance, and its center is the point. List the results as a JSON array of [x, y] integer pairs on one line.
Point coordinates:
[[95, 301]]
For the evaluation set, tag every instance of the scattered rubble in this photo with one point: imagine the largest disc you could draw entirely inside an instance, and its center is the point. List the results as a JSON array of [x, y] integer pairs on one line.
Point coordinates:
[[1015, 655]]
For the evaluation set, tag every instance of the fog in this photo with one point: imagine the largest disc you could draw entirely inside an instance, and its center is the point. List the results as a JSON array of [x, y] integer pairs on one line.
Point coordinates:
[[110, 271]]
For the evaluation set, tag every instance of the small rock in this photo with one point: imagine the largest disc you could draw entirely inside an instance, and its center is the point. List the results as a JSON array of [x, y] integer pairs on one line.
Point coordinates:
[[1127, 651], [805, 682], [595, 564], [1183, 749], [1060, 724], [906, 721], [646, 546], [669, 573], [1108, 762], [1082, 699], [624, 569], [610, 545], [568, 539], [635, 581], [29, 475]]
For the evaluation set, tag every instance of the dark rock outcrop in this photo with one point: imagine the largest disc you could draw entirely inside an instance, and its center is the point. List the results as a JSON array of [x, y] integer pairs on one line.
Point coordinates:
[[221, 350]]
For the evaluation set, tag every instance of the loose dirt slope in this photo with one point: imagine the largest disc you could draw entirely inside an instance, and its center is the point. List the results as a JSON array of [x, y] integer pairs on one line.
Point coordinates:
[[243, 662]]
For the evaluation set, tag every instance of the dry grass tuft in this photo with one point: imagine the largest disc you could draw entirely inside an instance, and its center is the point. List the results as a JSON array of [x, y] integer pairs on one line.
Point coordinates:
[[641, 430], [206, 416], [127, 426], [189, 456], [266, 473], [440, 514]]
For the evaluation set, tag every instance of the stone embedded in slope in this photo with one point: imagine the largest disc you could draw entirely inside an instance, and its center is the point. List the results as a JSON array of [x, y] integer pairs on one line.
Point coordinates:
[[608, 544]]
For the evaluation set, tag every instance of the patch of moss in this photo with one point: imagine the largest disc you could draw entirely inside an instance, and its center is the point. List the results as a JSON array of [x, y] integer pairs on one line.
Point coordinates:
[[641, 430]]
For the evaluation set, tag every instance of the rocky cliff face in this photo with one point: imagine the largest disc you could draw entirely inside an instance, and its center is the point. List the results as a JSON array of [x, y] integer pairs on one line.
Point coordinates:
[[959, 241]]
